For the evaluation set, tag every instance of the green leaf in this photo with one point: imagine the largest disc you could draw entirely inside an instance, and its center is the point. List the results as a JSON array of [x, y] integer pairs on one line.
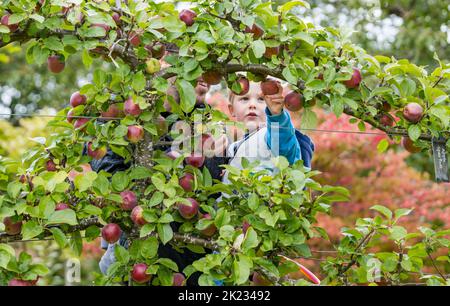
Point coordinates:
[[4, 29], [291, 4], [86, 58], [53, 43], [14, 189], [382, 146], [146, 230], [101, 183], [165, 232], [165, 276], [258, 48], [241, 269], [39, 269], [402, 212], [120, 181], [289, 76], [168, 263], [414, 132], [5, 257], [149, 247], [187, 95], [337, 105], [250, 241], [139, 173], [384, 210], [253, 201], [139, 81], [59, 237], [31, 229], [86, 181], [309, 119], [92, 233], [66, 216], [156, 198], [121, 254], [16, 18], [398, 232], [37, 17]]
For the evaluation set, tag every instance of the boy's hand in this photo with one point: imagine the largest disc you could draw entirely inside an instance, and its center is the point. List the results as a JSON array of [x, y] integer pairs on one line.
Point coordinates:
[[275, 102]]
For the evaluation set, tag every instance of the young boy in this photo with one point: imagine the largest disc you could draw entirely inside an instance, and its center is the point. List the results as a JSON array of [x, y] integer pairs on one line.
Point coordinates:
[[271, 132]]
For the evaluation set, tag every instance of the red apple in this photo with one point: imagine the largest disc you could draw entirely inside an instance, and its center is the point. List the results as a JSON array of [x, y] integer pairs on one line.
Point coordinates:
[[187, 16], [61, 206], [116, 18], [259, 280], [129, 200], [23, 179], [187, 182], [355, 79], [55, 63], [98, 153], [131, 108], [5, 21], [137, 216], [386, 120], [409, 146], [135, 39], [77, 99], [111, 232], [80, 123], [271, 51], [195, 160], [178, 279], [413, 112], [50, 165], [73, 173], [386, 107], [210, 230], [186, 211], [211, 77], [19, 283], [135, 133], [293, 101], [256, 30], [70, 116], [139, 273], [11, 227], [113, 111], [245, 227], [269, 87], [245, 86]]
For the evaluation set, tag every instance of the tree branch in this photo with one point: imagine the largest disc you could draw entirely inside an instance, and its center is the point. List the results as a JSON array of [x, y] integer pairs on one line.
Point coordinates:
[[83, 224]]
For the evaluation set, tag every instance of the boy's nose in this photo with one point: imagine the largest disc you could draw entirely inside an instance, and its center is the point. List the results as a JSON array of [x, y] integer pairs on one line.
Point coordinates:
[[252, 104]]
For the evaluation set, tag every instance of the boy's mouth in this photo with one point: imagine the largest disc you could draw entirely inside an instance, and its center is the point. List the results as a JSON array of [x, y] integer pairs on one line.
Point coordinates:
[[251, 115]]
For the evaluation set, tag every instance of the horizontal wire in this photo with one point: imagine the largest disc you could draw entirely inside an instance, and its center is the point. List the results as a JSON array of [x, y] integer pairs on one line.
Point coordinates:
[[117, 118]]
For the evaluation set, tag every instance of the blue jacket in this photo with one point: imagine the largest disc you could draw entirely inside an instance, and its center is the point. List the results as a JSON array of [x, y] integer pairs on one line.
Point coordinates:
[[292, 143]]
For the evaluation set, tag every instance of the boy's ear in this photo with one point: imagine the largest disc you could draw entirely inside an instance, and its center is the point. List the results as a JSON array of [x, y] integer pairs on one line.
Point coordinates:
[[230, 108]]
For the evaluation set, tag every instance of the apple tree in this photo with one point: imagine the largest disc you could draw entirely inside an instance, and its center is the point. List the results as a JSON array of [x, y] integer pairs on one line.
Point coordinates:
[[262, 221]]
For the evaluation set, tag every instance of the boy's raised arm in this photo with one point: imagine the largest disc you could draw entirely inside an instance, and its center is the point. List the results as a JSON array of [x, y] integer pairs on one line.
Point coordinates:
[[280, 137]]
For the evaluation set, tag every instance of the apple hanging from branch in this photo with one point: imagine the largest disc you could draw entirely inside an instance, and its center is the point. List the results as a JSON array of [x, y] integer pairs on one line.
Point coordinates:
[[111, 232]]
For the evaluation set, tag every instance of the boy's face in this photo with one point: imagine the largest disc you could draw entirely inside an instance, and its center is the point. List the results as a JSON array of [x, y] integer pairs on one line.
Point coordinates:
[[249, 108]]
